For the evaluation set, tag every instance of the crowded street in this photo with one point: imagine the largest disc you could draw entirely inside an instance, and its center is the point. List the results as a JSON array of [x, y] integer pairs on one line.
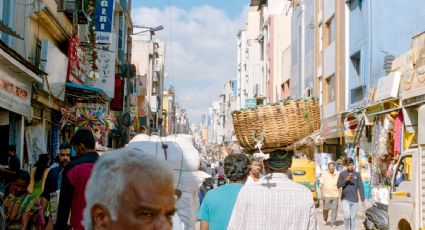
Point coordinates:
[[212, 114]]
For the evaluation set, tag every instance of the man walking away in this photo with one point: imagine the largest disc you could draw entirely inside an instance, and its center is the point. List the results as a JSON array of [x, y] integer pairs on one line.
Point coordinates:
[[330, 194], [217, 205], [74, 180], [351, 184], [276, 203]]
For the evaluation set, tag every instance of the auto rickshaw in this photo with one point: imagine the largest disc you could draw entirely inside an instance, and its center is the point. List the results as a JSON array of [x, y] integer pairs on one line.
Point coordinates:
[[303, 172]]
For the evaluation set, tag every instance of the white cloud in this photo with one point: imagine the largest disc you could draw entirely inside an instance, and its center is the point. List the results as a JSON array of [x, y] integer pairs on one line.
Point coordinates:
[[204, 47]]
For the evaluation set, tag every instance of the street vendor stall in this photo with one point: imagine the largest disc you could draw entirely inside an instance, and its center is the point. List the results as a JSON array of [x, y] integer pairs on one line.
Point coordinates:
[[86, 107]]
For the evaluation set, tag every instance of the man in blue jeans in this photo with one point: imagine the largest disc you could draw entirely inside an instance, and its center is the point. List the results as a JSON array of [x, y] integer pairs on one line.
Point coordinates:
[[351, 183]]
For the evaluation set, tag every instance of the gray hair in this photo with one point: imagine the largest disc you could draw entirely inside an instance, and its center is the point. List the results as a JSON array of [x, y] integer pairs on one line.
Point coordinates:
[[111, 174]]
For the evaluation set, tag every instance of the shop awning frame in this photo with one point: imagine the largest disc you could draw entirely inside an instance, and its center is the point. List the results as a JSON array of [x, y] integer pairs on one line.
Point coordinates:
[[86, 92], [9, 31], [19, 65]]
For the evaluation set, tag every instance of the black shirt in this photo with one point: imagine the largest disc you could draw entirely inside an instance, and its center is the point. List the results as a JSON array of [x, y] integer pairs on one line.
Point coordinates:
[[14, 163]]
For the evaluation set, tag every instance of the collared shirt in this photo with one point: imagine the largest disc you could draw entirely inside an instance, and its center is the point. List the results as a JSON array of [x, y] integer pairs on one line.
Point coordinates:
[[328, 183], [277, 203]]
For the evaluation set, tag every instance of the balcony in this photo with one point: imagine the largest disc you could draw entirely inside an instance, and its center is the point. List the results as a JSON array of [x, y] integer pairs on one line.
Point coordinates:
[[69, 7]]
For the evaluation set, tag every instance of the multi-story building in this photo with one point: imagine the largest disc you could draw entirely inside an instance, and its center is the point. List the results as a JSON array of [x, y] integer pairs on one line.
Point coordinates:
[[373, 34], [302, 49], [169, 115], [330, 65], [149, 60], [264, 54]]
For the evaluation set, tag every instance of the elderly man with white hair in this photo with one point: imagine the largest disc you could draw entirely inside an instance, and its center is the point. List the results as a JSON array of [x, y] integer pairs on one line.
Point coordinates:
[[129, 190]]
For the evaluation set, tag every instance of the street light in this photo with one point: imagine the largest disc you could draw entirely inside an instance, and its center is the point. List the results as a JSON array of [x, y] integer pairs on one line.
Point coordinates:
[[151, 30]]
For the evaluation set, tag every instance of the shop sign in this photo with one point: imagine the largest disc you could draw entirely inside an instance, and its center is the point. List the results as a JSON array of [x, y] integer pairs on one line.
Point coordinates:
[[56, 63], [388, 86], [77, 69], [330, 127], [117, 104], [15, 95], [413, 82], [103, 17], [250, 103], [106, 70], [351, 122]]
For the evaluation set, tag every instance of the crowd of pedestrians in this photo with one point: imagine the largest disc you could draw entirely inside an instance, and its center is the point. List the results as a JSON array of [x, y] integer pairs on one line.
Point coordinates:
[[124, 189]]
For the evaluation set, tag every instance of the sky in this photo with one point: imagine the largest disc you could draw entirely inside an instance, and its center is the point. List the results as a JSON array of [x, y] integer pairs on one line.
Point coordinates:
[[201, 46]]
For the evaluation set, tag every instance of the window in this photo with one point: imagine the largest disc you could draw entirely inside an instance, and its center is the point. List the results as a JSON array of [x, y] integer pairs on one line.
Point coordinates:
[[356, 62], [357, 94], [331, 92], [403, 175], [37, 56], [331, 30]]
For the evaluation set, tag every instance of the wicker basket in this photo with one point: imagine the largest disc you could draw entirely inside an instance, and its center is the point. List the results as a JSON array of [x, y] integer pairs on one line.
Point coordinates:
[[279, 125]]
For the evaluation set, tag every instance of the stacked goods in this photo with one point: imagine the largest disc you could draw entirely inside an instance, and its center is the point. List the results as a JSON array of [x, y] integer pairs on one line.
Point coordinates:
[[183, 158], [277, 125]]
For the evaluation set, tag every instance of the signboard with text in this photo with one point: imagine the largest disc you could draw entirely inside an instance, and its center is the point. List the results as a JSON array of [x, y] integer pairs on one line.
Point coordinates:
[[15, 95], [104, 16], [250, 103]]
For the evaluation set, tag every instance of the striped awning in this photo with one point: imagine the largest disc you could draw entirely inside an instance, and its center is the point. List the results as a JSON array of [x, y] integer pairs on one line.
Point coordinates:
[[7, 30]]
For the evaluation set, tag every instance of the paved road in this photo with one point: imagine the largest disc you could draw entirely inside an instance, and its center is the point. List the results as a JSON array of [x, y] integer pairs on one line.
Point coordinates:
[[340, 219]]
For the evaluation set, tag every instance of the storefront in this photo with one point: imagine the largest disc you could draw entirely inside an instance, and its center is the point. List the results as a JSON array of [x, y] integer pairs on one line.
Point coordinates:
[[16, 78]]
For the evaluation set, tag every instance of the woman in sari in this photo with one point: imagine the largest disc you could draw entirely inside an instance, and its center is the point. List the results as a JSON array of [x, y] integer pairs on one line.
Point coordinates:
[[20, 206]]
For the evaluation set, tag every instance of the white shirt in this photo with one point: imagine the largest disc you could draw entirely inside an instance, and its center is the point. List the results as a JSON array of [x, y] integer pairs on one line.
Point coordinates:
[[277, 203]]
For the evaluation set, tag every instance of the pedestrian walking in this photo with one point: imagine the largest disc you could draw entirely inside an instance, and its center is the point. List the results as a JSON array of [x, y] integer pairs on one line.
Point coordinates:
[[351, 183], [330, 194], [74, 180], [256, 169], [49, 197], [217, 205], [129, 190], [277, 202], [39, 175]]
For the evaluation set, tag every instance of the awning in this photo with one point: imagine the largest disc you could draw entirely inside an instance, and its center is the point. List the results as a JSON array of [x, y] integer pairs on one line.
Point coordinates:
[[7, 30], [383, 107], [86, 93], [17, 64]]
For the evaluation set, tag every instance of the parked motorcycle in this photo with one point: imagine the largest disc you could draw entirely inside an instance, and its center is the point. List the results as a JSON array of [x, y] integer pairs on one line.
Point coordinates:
[[377, 217]]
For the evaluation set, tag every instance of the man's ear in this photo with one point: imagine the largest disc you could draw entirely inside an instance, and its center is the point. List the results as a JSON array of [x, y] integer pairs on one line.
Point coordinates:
[[101, 219]]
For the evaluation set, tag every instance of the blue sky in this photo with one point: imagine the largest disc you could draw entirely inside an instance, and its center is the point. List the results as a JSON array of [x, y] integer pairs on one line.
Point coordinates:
[[201, 46], [231, 7]]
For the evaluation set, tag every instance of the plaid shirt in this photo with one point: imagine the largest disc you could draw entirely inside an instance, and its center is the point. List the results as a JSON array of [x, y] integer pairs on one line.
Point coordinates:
[[276, 203]]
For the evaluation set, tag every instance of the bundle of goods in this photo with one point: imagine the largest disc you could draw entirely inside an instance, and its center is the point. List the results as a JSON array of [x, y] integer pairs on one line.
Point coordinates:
[[277, 125], [183, 158]]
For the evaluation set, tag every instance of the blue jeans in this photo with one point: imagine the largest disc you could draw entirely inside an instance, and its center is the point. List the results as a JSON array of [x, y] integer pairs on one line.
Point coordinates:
[[350, 212]]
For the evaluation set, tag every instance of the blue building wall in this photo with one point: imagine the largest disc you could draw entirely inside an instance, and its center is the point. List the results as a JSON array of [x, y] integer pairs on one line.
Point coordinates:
[[379, 28], [302, 48]]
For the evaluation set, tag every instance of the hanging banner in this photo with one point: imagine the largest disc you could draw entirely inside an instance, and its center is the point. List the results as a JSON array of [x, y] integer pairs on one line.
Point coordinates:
[[117, 104], [77, 68], [103, 17], [56, 63], [106, 70]]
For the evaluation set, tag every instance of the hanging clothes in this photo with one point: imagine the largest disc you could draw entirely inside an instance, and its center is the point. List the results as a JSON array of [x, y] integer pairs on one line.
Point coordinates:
[[398, 129], [35, 138]]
